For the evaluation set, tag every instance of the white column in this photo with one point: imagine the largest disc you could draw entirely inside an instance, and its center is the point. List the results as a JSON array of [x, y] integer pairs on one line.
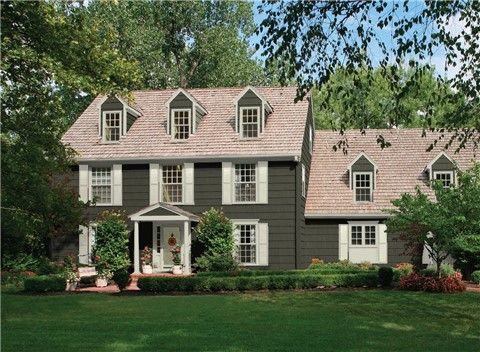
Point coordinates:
[[187, 241], [136, 249]]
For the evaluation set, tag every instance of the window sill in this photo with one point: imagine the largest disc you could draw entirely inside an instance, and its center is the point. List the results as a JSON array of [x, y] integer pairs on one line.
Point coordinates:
[[109, 142], [249, 264], [105, 205]]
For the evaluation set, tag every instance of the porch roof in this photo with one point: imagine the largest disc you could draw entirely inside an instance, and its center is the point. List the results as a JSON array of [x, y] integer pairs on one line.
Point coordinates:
[[163, 211]]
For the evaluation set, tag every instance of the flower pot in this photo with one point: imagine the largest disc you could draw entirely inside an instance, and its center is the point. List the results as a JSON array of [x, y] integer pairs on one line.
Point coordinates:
[[71, 286], [101, 281], [177, 270], [147, 269]]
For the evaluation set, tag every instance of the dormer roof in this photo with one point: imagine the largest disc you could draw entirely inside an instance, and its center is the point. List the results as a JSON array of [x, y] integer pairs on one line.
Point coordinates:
[[195, 102], [131, 108], [265, 103]]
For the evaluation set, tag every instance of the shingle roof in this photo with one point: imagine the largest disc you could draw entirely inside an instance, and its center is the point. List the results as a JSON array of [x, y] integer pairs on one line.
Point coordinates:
[[215, 136], [401, 168]]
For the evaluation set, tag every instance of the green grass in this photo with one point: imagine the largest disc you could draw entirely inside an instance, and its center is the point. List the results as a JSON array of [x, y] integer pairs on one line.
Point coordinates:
[[361, 320]]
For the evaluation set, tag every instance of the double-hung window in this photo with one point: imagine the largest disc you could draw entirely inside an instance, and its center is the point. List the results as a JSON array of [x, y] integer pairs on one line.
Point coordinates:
[[181, 121], [245, 183], [363, 235], [172, 184], [445, 177], [101, 185], [112, 126], [247, 243], [249, 122], [362, 184]]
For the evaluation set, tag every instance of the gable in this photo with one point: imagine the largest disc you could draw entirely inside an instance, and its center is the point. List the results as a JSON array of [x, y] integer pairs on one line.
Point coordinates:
[[160, 211], [443, 164]]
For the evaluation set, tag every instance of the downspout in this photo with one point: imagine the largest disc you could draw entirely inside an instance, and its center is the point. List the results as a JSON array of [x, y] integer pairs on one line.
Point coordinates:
[[296, 211]]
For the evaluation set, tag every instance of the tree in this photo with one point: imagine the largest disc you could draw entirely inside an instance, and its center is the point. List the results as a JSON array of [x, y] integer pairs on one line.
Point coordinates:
[[312, 39], [447, 225], [186, 44], [341, 104], [50, 58]]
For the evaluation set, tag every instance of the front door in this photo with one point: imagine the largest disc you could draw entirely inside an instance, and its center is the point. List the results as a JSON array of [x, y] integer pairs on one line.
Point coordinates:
[[164, 237]]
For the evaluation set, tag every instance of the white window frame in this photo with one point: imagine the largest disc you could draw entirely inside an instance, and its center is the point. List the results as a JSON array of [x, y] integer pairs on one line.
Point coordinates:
[[234, 199], [238, 223], [259, 118], [104, 125], [310, 138], [162, 184], [90, 185], [304, 181], [355, 173], [363, 224], [450, 173], [172, 123]]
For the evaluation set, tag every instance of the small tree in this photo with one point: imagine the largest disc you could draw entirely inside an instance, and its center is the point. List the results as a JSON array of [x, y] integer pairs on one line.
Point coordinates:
[[215, 232], [111, 242]]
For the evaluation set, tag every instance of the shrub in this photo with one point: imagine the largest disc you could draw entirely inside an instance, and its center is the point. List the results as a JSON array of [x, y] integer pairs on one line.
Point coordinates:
[[415, 282], [216, 263], [446, 270], [476, 277], [45, 283], [122, 278], [402, 269], [385, 276]]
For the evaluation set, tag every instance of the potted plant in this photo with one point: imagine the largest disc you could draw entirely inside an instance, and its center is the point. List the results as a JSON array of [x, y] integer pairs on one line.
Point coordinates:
[[147, 260], [70, 274], [102, 273], [177, 262]]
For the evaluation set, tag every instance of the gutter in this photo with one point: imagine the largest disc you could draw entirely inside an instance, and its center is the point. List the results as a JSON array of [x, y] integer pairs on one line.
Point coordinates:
[[347, 216]]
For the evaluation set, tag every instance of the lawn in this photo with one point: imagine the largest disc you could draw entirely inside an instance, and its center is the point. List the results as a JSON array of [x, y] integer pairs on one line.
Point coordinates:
[[284, 321]]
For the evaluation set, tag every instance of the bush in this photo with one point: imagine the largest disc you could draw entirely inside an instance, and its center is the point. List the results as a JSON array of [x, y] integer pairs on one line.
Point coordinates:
[[343, 266], [122, 278], [385, 276], [28, 262], [446, 270], [216, 262], [476, 277], [402, 269], [415, 282], [45, 283], [207, 283]]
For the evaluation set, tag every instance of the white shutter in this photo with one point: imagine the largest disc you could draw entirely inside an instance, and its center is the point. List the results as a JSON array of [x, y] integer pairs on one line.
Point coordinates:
[[154, 183], [262, 238], [227, 183], [382, 244], [342, 242], [188, 183], [83, 184], [117, 184], [83, 245], [262, 182]]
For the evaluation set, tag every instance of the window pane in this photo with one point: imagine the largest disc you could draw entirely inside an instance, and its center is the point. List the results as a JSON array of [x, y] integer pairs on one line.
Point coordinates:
[[356, 235], [250, 123], [363, 188], [172, 179], [370, 235], [445, 178], [101, 185], [245, 183], [112, 126], [181, 124], [247, 244]]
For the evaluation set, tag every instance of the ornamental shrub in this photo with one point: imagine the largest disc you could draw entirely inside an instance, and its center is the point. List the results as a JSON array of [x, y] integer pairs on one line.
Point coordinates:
[[385, 276], [111, 243], [122, 278], [45, 283], [446, 270], [415, 282], [476, 277], [402, 269]]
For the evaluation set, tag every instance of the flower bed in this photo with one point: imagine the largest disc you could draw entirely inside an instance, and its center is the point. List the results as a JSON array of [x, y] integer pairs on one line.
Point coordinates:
[[415, 282], [211, 283]]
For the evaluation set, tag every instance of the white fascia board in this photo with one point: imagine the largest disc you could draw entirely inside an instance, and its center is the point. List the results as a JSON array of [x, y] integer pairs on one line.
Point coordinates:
[[346, 216]]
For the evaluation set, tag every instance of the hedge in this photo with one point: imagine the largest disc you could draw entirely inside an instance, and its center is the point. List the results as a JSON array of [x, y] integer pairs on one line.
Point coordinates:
[[45, 283], [322, 271], [205, 283]]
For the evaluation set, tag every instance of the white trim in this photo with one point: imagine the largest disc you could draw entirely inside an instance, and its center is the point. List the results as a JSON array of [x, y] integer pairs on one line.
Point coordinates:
[[366, 157], [121, 100], [90, 192], [265, 103], [172, 123], [310, 139], [346, 216], [117, 184], [255, 222], [304, 182], [362, 224], [194, 158], [136, 248], [434, 160], [120, 127], [159, 218], [233, 199], [259, 118], [155, 206], [355, 186], [449, 172], [195, 102]]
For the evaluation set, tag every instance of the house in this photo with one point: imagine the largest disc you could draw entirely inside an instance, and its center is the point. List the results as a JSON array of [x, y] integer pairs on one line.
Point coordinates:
[[166, 156]]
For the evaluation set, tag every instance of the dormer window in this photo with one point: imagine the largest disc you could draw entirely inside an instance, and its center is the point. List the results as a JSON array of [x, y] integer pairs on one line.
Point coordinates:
[[116, 118], [442, 168], [112, 126], [181, 123], [363, 186], [445, 177], [250, 122], [362, 171]]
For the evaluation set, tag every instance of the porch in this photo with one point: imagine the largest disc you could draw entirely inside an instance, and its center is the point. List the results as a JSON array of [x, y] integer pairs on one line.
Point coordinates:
[[161, 227]]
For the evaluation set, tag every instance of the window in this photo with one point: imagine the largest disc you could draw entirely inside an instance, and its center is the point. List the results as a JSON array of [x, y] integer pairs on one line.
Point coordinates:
[[172, 178], [363, 186], [365, 235], [245, 183], [181, 123], [304, 183], [101, 185], [250, 122], [247, 248], [446, 177], [310, 139], [111, 126]]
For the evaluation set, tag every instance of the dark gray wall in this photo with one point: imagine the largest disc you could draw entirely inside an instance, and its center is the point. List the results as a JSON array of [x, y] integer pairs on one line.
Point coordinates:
[[250, 99], [443, 164], [363, 165], [180, 102]]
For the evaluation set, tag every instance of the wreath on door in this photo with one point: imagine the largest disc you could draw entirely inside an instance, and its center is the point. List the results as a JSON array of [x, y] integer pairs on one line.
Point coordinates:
[[172, 241]]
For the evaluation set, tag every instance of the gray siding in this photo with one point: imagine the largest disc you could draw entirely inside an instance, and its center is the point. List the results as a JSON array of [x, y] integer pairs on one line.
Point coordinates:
[[130, 120], [363, 165], [443, 164], [250, 99], [180, 102]]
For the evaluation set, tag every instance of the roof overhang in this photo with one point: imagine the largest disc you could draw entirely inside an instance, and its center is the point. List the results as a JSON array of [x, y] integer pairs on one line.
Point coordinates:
[[195, 102], [347, 216], [127, 107], [266, 104], [176, 214]]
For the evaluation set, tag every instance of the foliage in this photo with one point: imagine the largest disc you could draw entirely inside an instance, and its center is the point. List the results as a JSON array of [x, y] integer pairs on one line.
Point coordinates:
[[341, 266], [402, 269], [215, 231], [122, 278], [45, 283], [50, 59], [309, 40], [28, 262], [146, 256], [442, 223], [385, 276], [175, 251], [415, 282], [111, 243], [446, 270], [242, 283], [476, 277], [69, 269]]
